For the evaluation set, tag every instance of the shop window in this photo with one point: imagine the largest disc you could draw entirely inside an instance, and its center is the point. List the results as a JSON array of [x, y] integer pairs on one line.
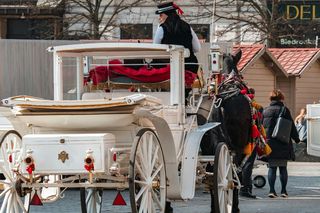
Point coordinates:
[[202, 31], [136, 31], [29, 29]]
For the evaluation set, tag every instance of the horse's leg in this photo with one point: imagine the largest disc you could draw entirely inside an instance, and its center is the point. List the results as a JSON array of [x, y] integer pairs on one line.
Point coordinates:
[[235, 201], [212, 202], [207, 144], [168, 209]]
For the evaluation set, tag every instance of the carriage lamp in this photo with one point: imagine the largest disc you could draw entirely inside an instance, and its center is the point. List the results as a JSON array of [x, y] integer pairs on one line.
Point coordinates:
[[215, 58], [89, 164], [115, 166], [89, 161], [29, 161]]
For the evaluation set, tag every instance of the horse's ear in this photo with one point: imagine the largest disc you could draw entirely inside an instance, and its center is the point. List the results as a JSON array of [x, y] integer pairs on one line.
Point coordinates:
[[236, 57]]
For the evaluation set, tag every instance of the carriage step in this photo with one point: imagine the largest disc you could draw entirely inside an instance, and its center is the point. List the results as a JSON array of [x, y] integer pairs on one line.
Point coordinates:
[[206, 158]]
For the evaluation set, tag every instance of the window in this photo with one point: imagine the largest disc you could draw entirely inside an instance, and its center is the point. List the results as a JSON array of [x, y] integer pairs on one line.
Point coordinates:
[[29, 29], [136, 31], [202, 31]]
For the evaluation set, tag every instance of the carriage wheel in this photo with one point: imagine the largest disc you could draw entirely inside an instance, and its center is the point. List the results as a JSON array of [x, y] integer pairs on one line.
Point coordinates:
[[222, 181], [91, 200], [147, 174], [10, 159], [259, 181]]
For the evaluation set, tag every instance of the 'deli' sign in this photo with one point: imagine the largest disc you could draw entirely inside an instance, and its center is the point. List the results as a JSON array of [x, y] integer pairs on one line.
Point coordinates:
[[298, 22], [301, 10]]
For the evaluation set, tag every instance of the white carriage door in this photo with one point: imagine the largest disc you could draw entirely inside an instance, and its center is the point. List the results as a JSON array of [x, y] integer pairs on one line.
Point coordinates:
[[313, 128]]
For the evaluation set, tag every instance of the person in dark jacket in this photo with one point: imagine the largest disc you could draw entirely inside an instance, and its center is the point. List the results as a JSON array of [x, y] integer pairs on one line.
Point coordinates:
[[281, 152], [246, 174], [173, 30]]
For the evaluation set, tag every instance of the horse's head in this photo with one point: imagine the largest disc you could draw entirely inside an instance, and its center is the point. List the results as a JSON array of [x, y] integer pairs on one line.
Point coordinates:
[[230, 62]]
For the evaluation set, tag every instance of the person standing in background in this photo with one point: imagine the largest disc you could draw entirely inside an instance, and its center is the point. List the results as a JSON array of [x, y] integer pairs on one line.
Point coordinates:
[[281, 151], [246, 174], [301, 125]]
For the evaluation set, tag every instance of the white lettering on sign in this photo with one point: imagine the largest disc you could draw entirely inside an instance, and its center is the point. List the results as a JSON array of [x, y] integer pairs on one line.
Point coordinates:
[[285, 41]]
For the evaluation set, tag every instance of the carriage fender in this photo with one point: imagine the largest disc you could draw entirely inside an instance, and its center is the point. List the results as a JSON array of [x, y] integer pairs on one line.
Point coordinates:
[[169, 151], [190, 159]]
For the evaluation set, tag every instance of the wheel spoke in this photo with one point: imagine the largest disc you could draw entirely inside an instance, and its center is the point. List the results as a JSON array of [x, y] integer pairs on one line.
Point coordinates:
[[91, 199], [155, 157], [140, 154], [221, 201], [21, 204], [222, 175], [5, 159], [9, 204], [144, 147], [140, 171], [10, 145], [154, 208], [88, 193], [155, 198], [142, 190], [157, 171], [5, 173], [225, 156], [150, 143], [149, 202], [227, 172], [147, 171], [5, 191], [143, 203], [4, 203], [26, 202], [15, 202], [140, 182]]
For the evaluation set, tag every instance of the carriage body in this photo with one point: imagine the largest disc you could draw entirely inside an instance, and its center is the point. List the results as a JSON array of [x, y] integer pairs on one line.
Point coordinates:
[[313, 116], [105, 139]]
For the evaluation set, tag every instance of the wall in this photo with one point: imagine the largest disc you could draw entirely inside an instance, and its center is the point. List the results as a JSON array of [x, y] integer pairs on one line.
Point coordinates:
[[287, 86], [3, 28], [308, 87], [26, 67], [262, 79]]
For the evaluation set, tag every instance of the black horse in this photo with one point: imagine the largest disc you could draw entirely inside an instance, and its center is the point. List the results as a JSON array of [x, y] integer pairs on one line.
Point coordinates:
[[233, 110]]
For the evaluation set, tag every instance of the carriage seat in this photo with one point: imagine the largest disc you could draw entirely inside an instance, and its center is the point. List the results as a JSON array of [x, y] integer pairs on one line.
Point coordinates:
[[116, 73]]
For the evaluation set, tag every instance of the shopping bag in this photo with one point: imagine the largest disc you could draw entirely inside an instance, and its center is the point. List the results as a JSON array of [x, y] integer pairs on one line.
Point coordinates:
[[282, 129]]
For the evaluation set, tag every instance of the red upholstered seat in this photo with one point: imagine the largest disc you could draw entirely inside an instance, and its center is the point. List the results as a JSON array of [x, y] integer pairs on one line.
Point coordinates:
[[116, 69]]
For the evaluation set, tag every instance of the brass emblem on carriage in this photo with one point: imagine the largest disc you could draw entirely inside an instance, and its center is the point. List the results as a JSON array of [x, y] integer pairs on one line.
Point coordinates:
[[63, 156]]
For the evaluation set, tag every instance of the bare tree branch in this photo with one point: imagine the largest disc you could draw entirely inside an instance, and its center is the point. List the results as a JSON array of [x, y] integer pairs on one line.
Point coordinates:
[[258, 16]]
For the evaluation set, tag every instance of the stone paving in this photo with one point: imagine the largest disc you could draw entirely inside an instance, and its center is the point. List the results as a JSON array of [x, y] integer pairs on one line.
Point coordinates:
[[303, 189]]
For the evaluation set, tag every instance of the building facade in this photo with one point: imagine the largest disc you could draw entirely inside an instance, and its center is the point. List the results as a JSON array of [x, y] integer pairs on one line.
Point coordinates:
[[25, 19], [32, 19]]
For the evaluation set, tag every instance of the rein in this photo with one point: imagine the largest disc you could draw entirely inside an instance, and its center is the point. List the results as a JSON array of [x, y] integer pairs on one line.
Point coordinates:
[[229, 88]]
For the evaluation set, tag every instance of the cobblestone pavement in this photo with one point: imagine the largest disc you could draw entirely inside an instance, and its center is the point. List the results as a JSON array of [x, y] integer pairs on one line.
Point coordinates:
[[303, 189]]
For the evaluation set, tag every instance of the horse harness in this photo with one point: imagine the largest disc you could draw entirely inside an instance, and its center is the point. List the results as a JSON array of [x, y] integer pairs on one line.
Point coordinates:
[[229, 88]]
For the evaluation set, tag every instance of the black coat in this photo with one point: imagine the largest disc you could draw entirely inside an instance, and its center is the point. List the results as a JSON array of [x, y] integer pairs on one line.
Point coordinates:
[[280, 150]]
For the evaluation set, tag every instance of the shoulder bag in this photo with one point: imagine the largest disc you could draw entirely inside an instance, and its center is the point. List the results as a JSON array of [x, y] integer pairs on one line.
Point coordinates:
[[282, 129]]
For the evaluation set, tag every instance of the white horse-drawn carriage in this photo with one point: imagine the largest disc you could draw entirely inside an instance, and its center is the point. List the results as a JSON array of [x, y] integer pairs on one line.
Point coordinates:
[[147, 141], [313, 125]]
